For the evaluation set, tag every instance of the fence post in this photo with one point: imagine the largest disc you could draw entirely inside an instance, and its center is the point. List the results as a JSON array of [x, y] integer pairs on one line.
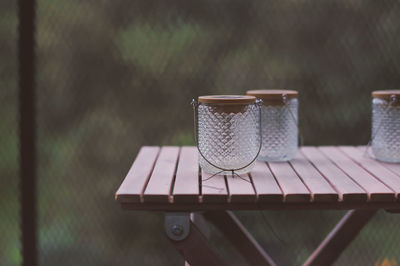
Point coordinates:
[[27, 136]]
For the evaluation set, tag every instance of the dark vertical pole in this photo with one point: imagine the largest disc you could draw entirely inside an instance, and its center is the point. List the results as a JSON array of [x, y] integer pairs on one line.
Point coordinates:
[[27, 136]]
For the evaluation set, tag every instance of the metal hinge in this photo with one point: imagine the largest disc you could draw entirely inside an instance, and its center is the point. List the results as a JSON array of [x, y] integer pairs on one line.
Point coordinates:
[[177, 225]]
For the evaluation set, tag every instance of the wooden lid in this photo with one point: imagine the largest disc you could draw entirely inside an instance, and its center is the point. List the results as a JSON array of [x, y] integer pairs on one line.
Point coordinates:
[[273, 94], [386, 95], [273, 97], [227, 99]]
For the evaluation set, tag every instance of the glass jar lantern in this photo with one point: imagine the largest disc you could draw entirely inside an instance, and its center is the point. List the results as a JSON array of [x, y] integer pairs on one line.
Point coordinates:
[[279, 116], [228, 135], [386, 125]]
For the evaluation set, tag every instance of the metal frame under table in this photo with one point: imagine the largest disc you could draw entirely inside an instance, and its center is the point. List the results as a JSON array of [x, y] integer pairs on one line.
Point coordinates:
[[169, 179]]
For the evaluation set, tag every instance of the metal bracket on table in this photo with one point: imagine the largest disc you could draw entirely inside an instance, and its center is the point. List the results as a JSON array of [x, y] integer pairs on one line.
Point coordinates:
[[177, 225]]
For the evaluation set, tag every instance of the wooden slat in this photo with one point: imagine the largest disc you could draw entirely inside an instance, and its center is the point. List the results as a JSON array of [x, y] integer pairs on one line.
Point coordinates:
[[376, 190], [292, 187], [394, 167], [213, 189], [137, 177], [320, 189], [240, 188], [159, 185], [186, 187], [348, 190], [379, 171], [265, 184]]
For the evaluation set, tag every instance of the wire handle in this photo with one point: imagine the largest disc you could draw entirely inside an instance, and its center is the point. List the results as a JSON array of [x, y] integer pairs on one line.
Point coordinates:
[[195, 105], [393, 99]]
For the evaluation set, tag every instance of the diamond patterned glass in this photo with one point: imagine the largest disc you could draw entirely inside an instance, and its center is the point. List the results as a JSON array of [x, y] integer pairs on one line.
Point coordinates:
[[385, 131], [279, 131], [228, 140]]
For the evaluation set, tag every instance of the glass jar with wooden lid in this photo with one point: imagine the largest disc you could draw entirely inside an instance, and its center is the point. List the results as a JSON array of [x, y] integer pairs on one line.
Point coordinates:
[[228, 134], [385, 139], [279, 116]]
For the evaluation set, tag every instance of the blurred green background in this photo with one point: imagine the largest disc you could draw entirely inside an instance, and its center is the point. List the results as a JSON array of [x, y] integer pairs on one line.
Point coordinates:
[[115, 75]]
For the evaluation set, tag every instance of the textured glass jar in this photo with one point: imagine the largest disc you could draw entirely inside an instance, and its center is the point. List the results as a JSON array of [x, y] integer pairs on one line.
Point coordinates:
[[386, 125], [279, 117], [228, 133]]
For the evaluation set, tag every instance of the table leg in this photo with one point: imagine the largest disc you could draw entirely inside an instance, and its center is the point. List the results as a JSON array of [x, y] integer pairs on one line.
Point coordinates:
[[340, 237], [201, 223], [198, 219], [190, 241], [240, 238]]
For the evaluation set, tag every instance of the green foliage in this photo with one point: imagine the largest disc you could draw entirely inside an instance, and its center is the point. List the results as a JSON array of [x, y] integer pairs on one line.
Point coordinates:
[[9, 207]]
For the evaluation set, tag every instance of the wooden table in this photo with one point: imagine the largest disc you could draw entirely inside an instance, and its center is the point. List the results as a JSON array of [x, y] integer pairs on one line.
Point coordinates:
[[168, 179]]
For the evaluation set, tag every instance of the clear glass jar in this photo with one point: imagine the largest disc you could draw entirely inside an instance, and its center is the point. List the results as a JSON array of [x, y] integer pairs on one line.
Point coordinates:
[[386, 126], [279, 117], [228, 133]]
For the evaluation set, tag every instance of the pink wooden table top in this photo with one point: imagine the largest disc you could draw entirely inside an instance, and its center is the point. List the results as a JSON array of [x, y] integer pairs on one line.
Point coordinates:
[[341, 177]]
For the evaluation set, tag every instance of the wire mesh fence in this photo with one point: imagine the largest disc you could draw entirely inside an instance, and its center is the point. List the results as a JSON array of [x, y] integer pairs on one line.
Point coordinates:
[[115, 75], [9, 193]]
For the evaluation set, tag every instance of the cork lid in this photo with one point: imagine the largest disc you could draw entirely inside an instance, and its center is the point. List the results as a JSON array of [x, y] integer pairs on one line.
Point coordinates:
[[386, 95], [273, 96], [228, 103], [227, 99]]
